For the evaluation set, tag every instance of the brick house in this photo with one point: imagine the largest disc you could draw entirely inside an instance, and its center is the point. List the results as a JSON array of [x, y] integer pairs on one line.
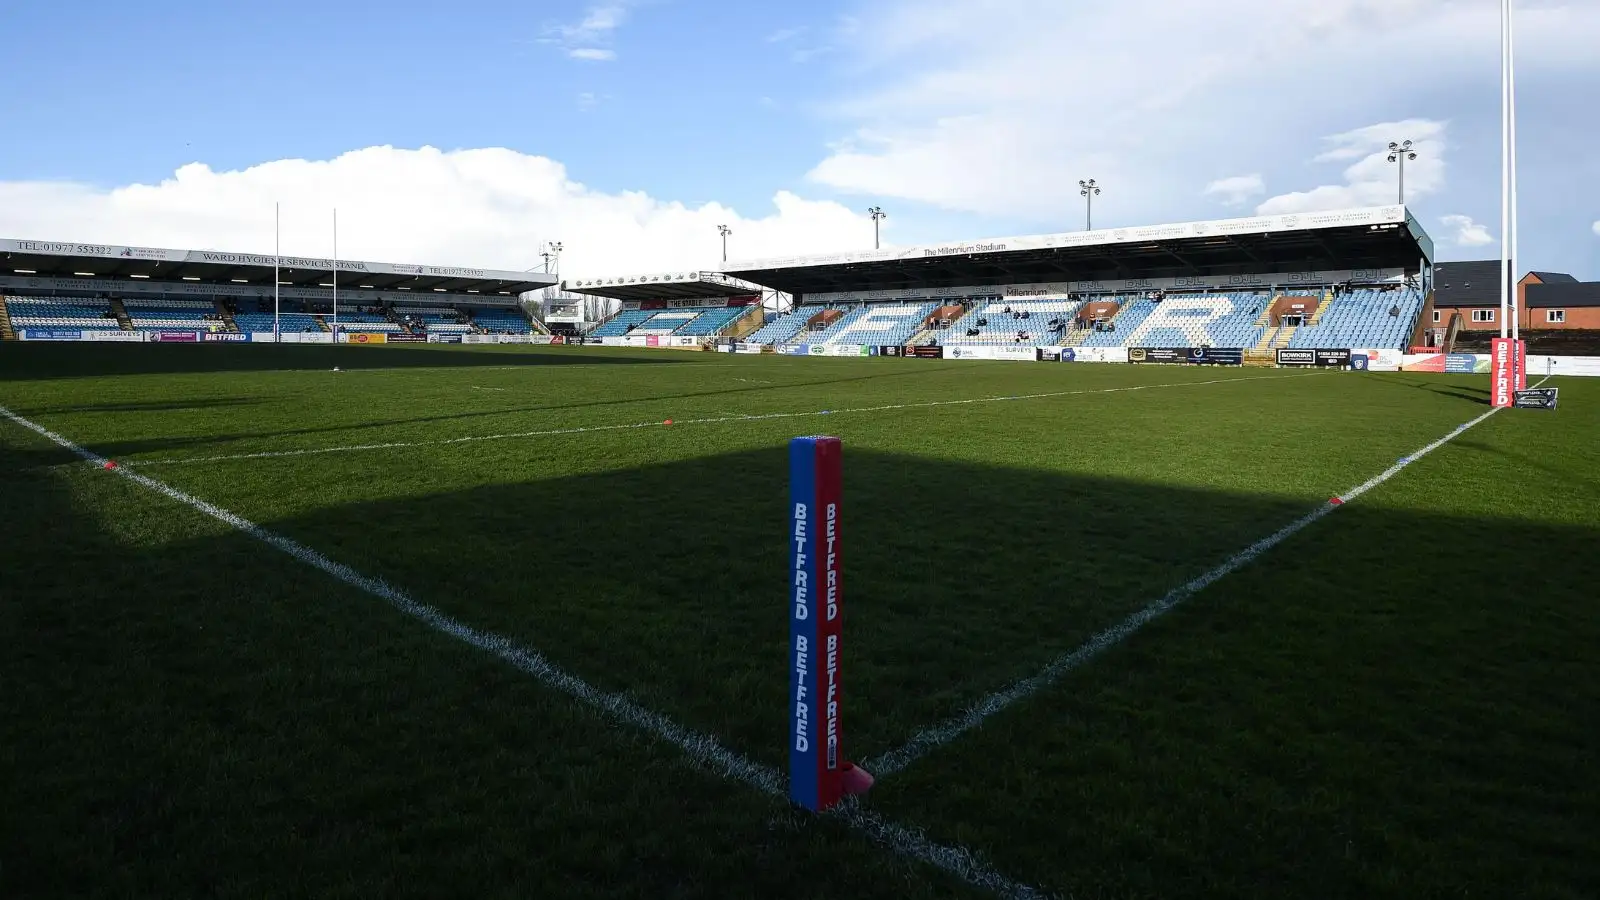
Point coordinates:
[[1470, 292]]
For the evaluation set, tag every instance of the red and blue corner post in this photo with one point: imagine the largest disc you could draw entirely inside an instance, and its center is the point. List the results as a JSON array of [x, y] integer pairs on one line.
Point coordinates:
[[816, 761]]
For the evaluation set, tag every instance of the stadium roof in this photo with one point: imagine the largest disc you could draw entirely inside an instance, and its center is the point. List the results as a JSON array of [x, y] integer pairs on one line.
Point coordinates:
[[1353, 239], [667, 286], [62, 259]]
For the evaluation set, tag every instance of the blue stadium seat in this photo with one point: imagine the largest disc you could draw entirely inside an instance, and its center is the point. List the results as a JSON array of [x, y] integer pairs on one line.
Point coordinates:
[[80, 313], [780, 327], [1361, 320], [1003, 325]]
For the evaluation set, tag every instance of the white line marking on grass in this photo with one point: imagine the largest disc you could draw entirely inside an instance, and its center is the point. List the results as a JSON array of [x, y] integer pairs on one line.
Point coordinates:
[[679, 423], [933, 738], [703, 749]]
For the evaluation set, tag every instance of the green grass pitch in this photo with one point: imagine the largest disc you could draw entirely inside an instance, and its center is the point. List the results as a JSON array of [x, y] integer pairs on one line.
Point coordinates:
[[1399, 700]]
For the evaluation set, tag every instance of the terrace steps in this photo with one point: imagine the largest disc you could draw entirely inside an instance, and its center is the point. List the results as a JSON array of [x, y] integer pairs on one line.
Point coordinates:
[[1284, 335], [227, 316], [1265, 343], [121, 312], [1322, 309], [1072, 337], [7, 333]]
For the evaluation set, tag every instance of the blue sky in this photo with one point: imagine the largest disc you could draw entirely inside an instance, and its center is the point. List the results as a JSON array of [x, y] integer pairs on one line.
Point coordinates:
[[628, 130]]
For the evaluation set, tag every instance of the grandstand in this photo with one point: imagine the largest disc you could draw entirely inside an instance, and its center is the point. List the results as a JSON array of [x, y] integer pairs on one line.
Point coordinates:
[[681, 305], [58, 291], [1342, 279], [83, 313]]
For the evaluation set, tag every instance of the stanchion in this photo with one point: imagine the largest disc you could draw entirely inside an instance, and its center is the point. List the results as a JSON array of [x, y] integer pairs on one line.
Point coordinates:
[[818, 772]]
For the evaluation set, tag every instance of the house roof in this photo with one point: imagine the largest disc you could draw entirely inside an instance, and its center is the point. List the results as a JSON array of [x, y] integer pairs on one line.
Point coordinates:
[[1553, 277], [1572, 295], [1458, 284]]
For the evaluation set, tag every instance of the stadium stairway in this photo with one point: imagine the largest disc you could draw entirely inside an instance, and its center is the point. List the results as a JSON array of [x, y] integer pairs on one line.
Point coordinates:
[[1265, 319], [227, 316], [1322, 308], [1285, 334], [1074, 336], [121, 312], [322, 323], [745, 325], [1453, 331], [7, 333], [1266, 338]]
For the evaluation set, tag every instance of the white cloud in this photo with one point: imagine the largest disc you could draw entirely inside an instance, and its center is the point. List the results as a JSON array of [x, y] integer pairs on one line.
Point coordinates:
[[952, 104], [1597, 229], [1372, 180], [589, 38], [587, 100], [1464, 232], [1236, 190], [784, 34], [490, 207]]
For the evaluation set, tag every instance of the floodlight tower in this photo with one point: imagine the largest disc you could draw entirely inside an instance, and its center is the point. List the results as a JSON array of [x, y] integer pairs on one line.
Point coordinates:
[[555, 257], [877, 214], [1399, 153], [1088, 189], [724, 231]]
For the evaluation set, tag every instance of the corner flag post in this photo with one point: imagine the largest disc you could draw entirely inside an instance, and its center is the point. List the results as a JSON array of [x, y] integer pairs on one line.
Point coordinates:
[[816, 764]]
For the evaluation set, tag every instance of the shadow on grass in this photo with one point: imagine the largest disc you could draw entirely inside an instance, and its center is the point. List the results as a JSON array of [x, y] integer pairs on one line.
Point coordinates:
[[142, 406], [51, 455], [1445, 389], [190, 716], [350, 744], [32, 360]]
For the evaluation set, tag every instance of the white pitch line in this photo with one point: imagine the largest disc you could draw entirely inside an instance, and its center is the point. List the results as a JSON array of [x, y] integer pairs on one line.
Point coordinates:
[[703, 749], [717, 420], [933, 738]]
